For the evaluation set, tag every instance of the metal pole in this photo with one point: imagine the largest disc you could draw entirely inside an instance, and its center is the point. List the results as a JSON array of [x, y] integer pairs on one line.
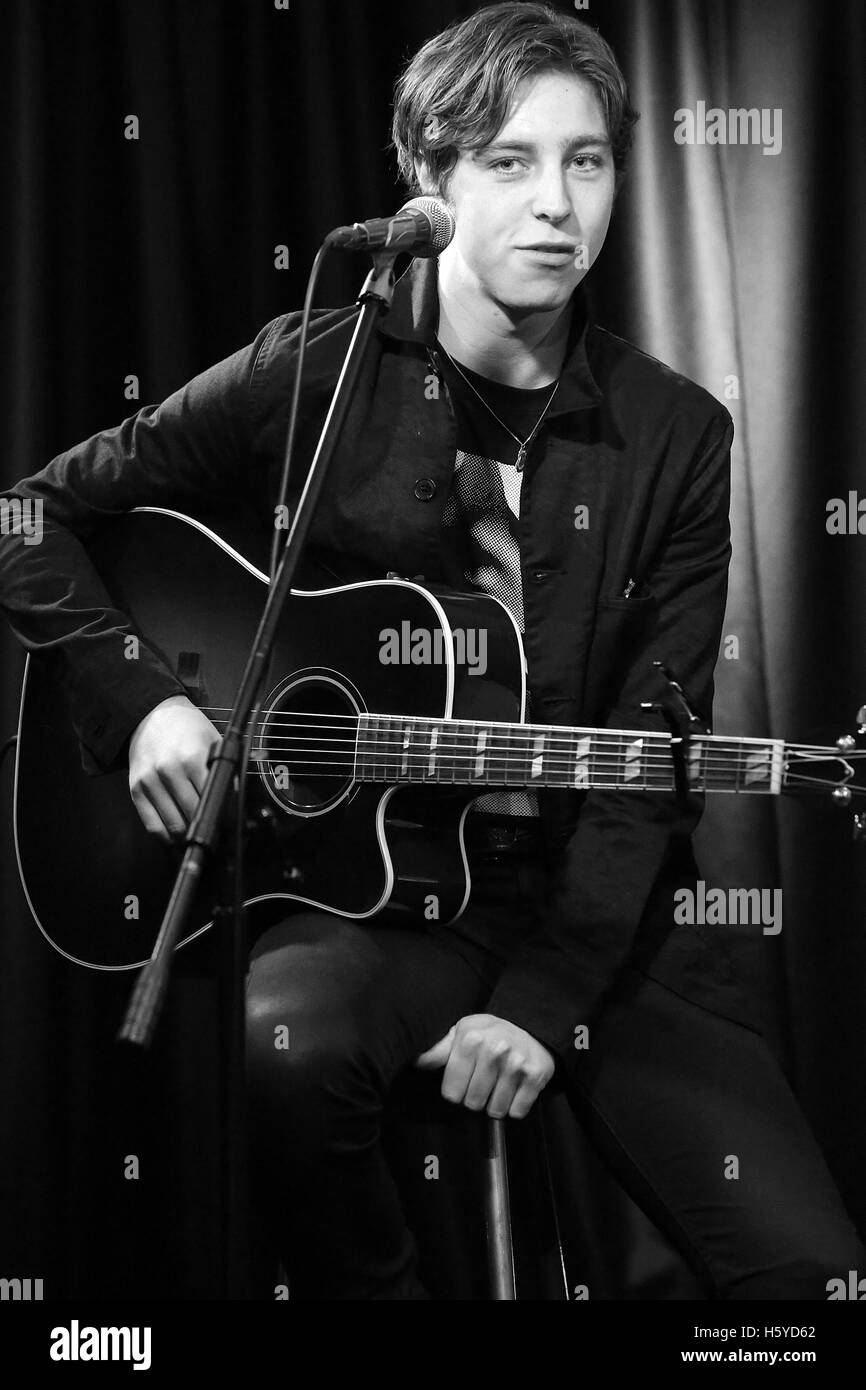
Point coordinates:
[[500, 1247]]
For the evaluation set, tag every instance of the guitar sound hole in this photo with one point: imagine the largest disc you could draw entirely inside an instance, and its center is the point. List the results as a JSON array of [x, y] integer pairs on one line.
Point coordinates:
[[308, 743]]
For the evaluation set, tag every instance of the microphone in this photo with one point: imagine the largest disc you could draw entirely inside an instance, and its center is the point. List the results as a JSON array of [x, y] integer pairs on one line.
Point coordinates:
[[422, 227]]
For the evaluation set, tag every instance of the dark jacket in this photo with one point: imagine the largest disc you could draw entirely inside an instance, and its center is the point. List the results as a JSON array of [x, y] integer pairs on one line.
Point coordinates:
[[644, 449]]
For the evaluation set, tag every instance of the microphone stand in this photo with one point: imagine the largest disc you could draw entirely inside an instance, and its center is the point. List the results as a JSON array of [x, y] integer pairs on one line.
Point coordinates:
[[201, 838]]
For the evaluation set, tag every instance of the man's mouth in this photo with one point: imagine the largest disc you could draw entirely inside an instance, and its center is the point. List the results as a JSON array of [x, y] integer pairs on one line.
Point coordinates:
[[551, 253]]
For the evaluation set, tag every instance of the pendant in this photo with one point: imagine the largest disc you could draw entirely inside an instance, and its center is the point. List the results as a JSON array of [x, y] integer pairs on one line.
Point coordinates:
[[521, 458]]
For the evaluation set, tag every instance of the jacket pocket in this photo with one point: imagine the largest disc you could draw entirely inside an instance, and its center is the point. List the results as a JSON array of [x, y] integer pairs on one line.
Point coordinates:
[[622, 627]]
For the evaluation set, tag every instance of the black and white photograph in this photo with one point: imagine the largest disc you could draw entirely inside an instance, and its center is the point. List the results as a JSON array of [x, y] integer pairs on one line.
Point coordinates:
[[433, 738]]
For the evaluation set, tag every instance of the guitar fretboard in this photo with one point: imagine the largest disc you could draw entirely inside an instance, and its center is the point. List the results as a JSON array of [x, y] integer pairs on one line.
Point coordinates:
[[393, 748]]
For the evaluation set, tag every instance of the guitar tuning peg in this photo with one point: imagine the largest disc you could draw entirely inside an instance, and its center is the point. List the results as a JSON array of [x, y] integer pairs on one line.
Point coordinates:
[[846, 743], [842, 796], [858, 829], [861, 719]]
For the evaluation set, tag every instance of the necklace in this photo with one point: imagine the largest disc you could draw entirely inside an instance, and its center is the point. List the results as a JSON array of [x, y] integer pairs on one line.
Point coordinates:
[[523, 444]]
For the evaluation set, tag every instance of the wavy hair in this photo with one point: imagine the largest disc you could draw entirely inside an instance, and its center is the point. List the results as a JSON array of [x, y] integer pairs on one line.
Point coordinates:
[[455, 92]]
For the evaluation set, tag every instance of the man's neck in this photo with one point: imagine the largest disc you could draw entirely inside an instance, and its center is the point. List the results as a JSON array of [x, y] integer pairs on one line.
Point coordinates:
[[527, 353]]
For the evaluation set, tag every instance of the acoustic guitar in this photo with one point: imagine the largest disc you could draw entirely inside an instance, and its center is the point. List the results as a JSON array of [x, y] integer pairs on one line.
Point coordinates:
[[390, 709]]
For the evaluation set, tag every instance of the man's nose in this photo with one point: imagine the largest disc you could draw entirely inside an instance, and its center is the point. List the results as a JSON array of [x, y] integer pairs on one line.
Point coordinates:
[[551, 195]]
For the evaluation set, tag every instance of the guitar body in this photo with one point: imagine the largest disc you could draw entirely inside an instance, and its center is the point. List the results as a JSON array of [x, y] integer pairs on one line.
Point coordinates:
[[97, 883]]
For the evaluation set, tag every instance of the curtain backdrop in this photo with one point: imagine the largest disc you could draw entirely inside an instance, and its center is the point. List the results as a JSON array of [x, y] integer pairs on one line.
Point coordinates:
[[261, 127]]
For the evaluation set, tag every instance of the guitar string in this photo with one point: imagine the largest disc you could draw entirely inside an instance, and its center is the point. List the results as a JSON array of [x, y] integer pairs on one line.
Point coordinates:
[[699, 779], [407, 759], [490, 754], [592, 782], [495, 727], [458, 740], [713, 760], [553, 765], [399, 753], [707, 768]]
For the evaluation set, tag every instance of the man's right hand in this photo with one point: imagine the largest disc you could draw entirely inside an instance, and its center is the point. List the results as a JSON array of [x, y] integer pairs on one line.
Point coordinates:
[[168, 755]]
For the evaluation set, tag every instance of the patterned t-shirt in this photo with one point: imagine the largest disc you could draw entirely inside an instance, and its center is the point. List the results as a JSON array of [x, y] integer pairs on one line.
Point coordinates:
[[484, 502]]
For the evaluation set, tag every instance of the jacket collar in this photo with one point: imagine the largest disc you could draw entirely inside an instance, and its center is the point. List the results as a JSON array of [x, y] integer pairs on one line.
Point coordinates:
[[413, 316]]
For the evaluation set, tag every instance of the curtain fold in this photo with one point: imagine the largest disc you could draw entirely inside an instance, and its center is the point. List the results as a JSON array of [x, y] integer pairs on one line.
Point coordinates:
[[733, 263]]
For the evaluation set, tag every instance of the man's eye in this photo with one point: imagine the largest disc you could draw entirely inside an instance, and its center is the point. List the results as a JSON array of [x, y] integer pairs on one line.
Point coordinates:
[[584, 162]]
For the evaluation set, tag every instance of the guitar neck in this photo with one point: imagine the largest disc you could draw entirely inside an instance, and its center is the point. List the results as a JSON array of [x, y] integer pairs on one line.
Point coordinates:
[[395, 748]]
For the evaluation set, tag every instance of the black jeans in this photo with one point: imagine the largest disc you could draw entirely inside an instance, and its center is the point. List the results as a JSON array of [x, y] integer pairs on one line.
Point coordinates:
[[668, 1092]]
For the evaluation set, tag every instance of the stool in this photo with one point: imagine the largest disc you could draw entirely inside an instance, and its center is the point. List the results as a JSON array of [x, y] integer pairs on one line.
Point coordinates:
[[497, 1204], [463, 1220], [574, 1227]]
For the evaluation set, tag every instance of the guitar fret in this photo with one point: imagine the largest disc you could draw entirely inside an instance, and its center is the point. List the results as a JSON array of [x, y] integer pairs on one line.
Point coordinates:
[[757, 768], [633, 761], [414, 732], [581, 755], [407, 748], [727, 773], [388, 760], [500, 762], [510, 764], [399, 751], [494, 757], [556, 764], [479, 770], [525, 743], [468, 756], [368, 742], [432, 744], [490, 754], [536, 757], [659, 764], [376, 749], [445, 752], [611, 770], [361, 748], [453, 765], [697, 749], [384, 761]]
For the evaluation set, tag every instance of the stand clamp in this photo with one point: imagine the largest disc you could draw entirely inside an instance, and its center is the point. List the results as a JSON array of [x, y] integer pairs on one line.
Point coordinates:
[[682, 720]]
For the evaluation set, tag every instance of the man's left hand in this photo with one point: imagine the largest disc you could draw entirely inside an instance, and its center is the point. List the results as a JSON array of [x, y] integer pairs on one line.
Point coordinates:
[[490, 1063]]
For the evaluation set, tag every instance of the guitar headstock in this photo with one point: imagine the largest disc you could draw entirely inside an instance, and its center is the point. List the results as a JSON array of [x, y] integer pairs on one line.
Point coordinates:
[[852, 747], [838, 770]]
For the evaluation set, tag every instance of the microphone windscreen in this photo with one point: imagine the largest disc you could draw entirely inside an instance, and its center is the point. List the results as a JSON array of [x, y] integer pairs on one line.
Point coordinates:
[[441, 221]]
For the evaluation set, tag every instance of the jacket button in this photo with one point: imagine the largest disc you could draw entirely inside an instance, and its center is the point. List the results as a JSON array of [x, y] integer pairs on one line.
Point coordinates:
[[424, 489]]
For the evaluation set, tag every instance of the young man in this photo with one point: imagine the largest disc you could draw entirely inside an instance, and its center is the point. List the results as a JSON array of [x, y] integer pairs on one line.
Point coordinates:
[[498, 439]]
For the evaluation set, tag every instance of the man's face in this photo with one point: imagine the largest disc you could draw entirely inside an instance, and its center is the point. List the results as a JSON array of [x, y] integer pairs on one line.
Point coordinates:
[[547, 179]]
